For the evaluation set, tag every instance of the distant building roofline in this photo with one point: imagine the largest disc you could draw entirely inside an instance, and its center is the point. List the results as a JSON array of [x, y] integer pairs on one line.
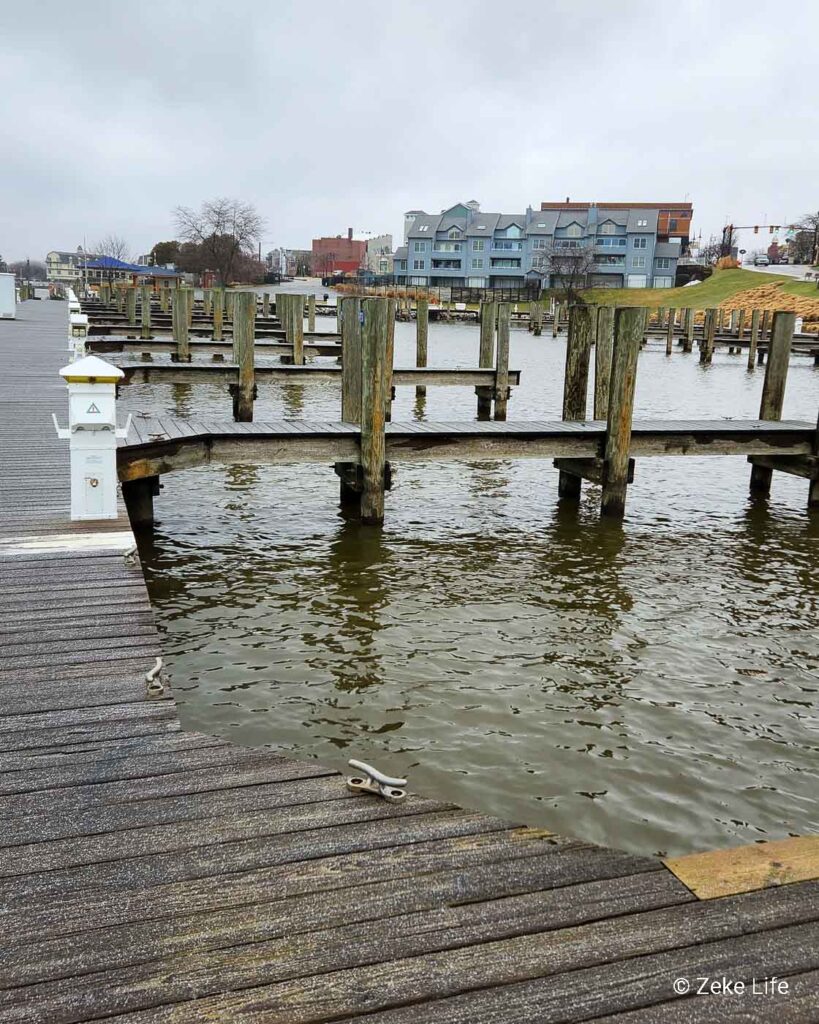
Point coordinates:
[[617, 206]]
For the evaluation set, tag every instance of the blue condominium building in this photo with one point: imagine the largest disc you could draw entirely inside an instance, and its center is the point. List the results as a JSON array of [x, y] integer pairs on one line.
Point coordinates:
[[463, 246]]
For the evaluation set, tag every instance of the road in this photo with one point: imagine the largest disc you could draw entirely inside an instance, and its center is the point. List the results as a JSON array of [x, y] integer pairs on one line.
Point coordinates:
[[797, 272]]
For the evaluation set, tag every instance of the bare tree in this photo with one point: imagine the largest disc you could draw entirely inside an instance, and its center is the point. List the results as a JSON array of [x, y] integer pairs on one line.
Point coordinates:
[[569, 267], [807, 239], [224, 230], [711, 251], [28, 270], [112, 245]]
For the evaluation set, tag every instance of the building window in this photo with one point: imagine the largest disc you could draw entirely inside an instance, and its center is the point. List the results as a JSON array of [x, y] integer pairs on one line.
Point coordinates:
[[478, 245], [672, 225], [454, 233], [642, 223], [638, 261], [418, 264], [636, 281], [500, 243], [513, 231], [512, 264], [607, 228], [540, 243], [447, 247], [574, 231], [539, 261], [640, 243], [568, 243], [419, 246], [424, 227], [541, 224], [662, 282], [663, 263], [477, 264], [446, 264]]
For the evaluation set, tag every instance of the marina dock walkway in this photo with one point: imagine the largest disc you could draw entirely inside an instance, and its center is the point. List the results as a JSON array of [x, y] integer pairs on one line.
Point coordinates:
[[150, 874]]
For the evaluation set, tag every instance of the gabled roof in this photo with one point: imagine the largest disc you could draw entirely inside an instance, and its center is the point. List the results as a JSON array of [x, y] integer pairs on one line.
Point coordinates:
[[431, 221], [568, 217], [650, 218], [483, 224], [110, 263], [448, 223], [400, 253], [508, 219], [619, 217], [548, 218]]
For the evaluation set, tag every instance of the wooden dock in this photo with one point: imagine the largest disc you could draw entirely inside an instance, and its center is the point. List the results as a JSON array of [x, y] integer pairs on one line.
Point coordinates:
[[157, 875]]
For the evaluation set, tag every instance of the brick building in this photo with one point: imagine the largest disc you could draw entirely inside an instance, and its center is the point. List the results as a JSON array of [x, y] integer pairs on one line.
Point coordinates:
[[339, 254]]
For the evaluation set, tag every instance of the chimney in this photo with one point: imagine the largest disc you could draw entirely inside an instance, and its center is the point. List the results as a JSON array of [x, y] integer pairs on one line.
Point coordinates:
[[567, 200], [349, 234]]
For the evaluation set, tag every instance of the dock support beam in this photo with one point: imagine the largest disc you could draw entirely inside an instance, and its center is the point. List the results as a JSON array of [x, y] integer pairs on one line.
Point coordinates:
[[145, 311], [629, 328], [576, 383], [244, 330], [709, 328], [311, 313], [502, 364], [374, 384], [218, 314], [130, 305], [350, 326], [139, 500], [773, 389], [753, 339], [181, 298], [603, 345], [265, 304], [486, 356], [421, 339]]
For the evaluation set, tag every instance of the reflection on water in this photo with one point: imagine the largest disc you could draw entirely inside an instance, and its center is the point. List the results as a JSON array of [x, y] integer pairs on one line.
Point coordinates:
[[650, 684]]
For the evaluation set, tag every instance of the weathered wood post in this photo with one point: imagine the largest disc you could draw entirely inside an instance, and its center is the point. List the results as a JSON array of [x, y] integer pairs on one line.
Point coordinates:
[[296, 306], [502, 364], [688, 342], [766, 325], [669, 336], [603, 345], [556, 319], [120, 298], [207, 302], [733, 322], [486, 356], [218, 314], [753, 339], [629, 327], [311, 313], [709, 331], [741, 325], [538, 324], [421, 339], [145, 311], [179, 321], [660, 317], [374, 384], [813, 488], [130, 305], [576, 382], [390, 356], [244, 330], [773, 388], [230, 303], [265, 304], [163, 298]]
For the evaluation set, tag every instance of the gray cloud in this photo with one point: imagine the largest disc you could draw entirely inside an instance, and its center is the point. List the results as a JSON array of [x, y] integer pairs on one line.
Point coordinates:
[[327, 116]]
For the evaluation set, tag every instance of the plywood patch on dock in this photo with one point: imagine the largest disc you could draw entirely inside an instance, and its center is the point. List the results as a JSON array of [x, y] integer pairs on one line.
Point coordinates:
[[747, 868]]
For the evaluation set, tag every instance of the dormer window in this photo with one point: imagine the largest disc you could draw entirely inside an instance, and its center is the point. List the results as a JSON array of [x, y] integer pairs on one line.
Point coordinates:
[[424, 227], [642, 223], [454, 233], [574, 231], [513, 231], [607, 228]]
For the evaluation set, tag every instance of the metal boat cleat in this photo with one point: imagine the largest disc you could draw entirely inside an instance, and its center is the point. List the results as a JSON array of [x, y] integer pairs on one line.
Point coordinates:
[[374, 781]]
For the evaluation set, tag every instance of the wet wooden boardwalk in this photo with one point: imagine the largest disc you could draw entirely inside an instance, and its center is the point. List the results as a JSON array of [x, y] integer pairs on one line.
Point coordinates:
[[153, 874]]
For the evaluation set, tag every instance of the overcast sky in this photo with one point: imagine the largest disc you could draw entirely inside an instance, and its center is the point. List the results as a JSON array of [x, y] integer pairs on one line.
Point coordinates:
[[329, 115]]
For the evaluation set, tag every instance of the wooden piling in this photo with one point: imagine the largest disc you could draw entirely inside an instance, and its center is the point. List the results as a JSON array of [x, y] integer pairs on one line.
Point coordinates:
[[390, 356], [660, 317], [603, 345], [265, 304], [421, 339], [813, 488], [145, 311], [297, 321], [733, 322], [741, 325], [629, 328], [556, 319], [669, 336], [709, 333], [538, 323], [180, 322], [688, 343], [502, 364], [765, 329], [218, 314], [207, 302], [130, 305], [374, 382], [244, 330], [753, 338], [486, 356], [230, 303], [311, 313], [350, 359], [773, 388], [576, 382]]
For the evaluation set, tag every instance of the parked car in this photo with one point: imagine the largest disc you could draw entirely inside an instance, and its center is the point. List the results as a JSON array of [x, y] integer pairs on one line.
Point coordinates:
[[761, 261]]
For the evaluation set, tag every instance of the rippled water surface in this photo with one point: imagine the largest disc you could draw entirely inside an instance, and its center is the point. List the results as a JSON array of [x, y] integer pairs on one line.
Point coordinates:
[[651, 685]]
